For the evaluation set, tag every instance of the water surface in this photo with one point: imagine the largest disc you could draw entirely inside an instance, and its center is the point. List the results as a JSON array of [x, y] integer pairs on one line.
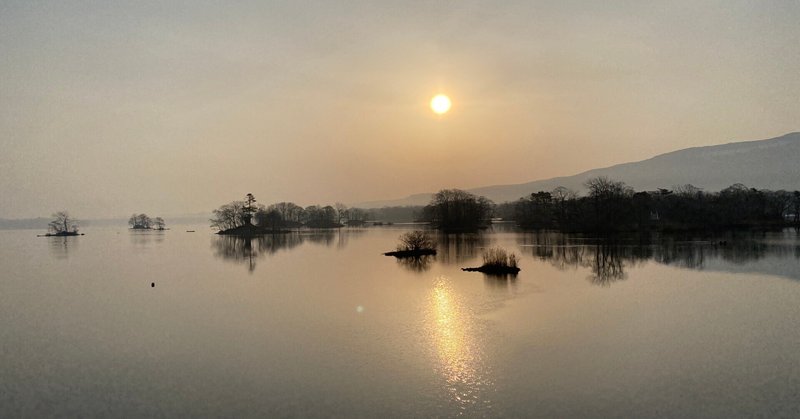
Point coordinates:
[[319, 324]]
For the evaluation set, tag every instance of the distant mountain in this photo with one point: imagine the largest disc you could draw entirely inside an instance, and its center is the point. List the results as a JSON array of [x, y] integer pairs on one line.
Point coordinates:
[[769, 164]]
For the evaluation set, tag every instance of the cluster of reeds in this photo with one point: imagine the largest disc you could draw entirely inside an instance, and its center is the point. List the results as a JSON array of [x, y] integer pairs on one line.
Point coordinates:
[[499, 257]]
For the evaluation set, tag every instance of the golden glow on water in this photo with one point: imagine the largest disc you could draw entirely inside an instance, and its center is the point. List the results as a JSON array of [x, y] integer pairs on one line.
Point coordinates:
[[460, 357]]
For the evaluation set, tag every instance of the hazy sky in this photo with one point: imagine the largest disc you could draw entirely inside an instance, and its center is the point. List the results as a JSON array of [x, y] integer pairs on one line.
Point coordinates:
[[110, 107]]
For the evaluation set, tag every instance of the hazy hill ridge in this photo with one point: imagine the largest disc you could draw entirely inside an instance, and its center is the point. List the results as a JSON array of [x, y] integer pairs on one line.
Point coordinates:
[[769, 164]]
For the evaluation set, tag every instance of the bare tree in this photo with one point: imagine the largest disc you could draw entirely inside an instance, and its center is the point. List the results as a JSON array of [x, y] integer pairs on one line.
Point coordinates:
[[329, 216], [229, 216], [563, 198], [796, 206], [63, 223], [561, 194], [356, 216], [342, 212], [140, 221], [687, 190], [602, 187], [284, 208], [159, 223], [269, 218], [609, 200], [454, 209], [416, 240]]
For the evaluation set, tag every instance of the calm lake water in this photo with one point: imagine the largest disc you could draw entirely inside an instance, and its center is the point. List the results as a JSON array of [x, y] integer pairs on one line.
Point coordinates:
[[320, 324]]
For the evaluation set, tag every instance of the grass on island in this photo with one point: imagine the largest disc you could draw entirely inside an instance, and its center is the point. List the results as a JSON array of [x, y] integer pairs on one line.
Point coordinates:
[[497, 260]]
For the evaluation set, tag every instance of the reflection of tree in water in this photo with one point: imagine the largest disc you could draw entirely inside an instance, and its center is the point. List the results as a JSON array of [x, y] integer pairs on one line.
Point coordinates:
[[455, 248], [274, 243], [236, 249], [141, 238], [61, 246], [561, 250], [605, 258], [338, 236], [327, 237], [744, 252], [607, 265], [739, 249], [417, 263], [502, 281], [681, 255], [249, 249], [609, 257]]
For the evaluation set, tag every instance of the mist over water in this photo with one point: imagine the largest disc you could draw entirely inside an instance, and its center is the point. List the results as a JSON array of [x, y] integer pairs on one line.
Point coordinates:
[[320, 323], [314, 136]]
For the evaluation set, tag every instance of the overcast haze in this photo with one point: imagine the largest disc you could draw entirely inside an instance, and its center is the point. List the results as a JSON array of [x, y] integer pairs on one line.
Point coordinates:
[[109, 108]]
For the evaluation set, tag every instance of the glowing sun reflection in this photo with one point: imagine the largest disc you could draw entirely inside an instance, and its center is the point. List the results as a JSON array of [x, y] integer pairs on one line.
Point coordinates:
[[460, 356]]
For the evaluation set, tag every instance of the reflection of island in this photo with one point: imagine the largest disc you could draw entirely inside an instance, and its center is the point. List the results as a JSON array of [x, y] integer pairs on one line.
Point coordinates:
[[323, 236], [500, 282], [607, 263], [242, 249], [738, 251], [453, 249], [143, 237], [328, 237], [62, 245], [248, 249], [608, 258], [417, 263]]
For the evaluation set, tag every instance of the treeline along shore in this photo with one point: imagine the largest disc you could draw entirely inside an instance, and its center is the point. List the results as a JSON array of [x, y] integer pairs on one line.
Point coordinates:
[[606, 206], [613, 206]]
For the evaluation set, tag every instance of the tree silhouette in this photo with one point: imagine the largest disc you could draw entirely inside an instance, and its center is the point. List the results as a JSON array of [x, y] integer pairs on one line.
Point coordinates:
[[63, 223], [454, 209]]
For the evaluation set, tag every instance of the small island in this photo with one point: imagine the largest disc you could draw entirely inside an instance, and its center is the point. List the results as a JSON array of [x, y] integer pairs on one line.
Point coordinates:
[[496, 261], [414, 244], [235, 219], [63, 225], [144, 222]]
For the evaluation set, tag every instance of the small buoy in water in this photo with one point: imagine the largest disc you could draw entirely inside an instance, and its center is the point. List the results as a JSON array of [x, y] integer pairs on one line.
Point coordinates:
[[152, 285]]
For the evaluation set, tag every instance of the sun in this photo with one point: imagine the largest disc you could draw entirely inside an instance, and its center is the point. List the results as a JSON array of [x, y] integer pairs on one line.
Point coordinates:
[[440, 104]]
